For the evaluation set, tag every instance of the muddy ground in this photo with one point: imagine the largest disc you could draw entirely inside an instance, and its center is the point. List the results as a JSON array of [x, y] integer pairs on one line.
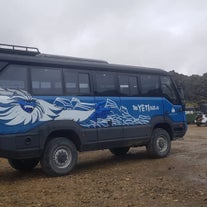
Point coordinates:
[[101, 179]]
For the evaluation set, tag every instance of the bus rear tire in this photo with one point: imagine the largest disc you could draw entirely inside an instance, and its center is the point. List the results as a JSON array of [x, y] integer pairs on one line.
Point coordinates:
[[160, 144], [119, 151], [59, 157], [24, 165]]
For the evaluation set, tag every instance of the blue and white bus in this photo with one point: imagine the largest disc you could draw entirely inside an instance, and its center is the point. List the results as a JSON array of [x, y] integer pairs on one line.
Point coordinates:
[[52, 107]]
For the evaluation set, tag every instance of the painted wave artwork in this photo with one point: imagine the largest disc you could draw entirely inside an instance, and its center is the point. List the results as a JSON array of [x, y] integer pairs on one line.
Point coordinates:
[[110, 112], [19, 109]]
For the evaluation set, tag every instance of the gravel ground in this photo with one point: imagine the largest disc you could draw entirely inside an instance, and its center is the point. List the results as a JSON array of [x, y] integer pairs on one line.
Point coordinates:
[[101, 179]]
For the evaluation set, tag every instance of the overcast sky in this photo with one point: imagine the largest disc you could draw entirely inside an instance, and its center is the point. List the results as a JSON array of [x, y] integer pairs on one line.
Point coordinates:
[[168, 34]]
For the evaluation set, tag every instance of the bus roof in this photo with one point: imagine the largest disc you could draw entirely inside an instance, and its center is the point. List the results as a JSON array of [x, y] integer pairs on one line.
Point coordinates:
[[13, 54]]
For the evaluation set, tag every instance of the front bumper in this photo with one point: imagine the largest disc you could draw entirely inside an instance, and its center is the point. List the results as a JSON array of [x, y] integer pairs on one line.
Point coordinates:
[[179, 130]]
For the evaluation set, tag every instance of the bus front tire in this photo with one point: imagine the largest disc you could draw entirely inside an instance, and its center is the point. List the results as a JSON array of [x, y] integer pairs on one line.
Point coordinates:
[[24, 165], [59, 157], [119, 151], [160, 144]]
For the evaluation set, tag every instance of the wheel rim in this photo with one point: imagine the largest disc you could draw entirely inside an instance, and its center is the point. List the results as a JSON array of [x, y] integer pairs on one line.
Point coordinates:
[[62, 157], [162, 144]]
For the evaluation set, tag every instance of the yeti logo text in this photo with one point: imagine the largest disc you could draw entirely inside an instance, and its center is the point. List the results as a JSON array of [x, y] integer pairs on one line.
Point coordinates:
[[145, 108]]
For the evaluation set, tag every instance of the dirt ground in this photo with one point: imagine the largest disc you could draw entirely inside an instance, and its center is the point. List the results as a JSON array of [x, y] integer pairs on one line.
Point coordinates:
[[101, 179]]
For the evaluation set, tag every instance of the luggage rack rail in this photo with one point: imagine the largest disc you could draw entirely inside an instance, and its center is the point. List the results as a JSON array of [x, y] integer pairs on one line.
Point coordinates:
[[17, 49]]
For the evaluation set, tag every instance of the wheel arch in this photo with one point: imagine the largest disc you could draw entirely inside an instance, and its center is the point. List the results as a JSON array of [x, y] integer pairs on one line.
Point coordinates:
[[166, 127], [67, 133]]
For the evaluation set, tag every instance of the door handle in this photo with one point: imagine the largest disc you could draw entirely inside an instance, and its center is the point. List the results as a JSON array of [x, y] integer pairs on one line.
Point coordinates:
[[110, 123]]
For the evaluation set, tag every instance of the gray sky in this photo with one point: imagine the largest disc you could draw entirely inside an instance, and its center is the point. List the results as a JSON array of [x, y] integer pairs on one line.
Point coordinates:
[[168, 34]]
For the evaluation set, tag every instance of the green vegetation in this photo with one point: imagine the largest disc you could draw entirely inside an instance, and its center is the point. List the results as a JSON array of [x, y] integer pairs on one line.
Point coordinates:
[[194, 87], [190, 118], [195, 92]]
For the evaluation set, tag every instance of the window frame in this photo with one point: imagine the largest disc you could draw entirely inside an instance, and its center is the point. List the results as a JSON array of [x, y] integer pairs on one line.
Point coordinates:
[[26, 83], [115, 93], [129, 76], [78, 72], [49, 68], [175, 101], [159, 94]]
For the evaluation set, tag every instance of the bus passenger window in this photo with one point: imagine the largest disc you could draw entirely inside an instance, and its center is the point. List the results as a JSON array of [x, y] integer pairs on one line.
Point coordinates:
[[124, 85], [150, 85], [76, 83], [133, 86], [71, 82], [14, 77], [105, 84], [128, 85], [84, 85], [46, 81]]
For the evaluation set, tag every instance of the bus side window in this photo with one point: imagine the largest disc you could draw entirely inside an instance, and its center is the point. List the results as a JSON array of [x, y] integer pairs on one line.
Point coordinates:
[[168, 90], [84, 83], [105, 84], [46, 81], [133, 86], [71, 82], [128, 85], [124, 85], [150, 85], [14, 77], [76, 83]]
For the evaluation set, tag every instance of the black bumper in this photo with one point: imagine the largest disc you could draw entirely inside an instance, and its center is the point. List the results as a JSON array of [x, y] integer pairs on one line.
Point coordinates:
[[20, 146], [179, 130]]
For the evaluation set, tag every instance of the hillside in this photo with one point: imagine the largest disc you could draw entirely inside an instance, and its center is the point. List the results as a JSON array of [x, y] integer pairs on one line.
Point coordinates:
[[194, 86]]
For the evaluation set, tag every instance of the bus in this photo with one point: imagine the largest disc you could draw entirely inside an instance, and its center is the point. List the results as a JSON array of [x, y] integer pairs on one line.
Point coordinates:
[[53, 107]]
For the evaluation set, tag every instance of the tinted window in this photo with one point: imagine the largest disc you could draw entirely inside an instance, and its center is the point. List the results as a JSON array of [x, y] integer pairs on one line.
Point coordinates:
[[150, 85], [15, 77], [124, 85], [84, 85], [71, 82], [128, 85], [133, 86], [76, 83], [168, 89], [105, 84], [46, 81]]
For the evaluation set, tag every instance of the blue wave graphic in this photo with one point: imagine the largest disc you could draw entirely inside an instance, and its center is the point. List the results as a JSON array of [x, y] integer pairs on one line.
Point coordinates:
[[20, 112]]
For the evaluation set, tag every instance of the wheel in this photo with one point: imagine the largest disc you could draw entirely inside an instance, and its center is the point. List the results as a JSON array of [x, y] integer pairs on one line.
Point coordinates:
[[23, 164], [160, 144], [119, 151], [59, 157]]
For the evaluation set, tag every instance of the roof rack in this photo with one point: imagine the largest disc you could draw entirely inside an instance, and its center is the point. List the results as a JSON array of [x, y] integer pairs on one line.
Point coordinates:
[[17, 49]]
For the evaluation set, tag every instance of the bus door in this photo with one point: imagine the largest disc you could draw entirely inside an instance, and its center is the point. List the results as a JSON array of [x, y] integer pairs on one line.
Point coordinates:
[[130, 102], [108, 115], [108, 118]]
